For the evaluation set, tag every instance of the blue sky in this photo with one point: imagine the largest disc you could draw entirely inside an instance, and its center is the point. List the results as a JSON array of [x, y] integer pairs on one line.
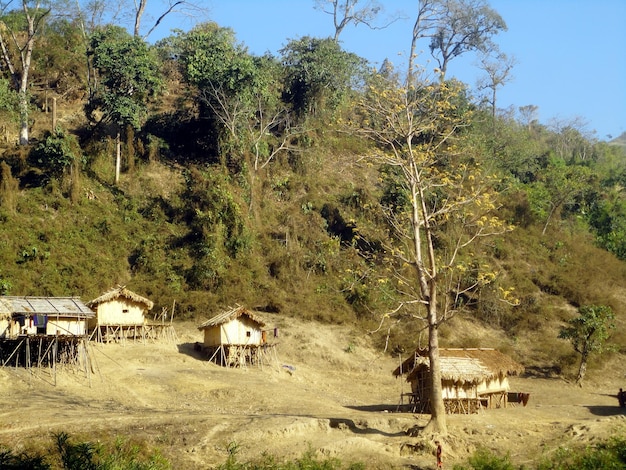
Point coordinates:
[[570, 54]]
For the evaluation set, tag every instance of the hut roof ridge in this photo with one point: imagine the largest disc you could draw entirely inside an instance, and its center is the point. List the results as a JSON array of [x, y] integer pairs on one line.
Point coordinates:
[[231, 313], [463, 364], [121, 291]]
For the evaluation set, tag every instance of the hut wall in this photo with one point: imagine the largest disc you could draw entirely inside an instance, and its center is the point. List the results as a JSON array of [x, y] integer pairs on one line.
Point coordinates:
[[495, 384], [53, 326], [121, 311], [453, 390], [66, 326], [240, 331], [5, 327]]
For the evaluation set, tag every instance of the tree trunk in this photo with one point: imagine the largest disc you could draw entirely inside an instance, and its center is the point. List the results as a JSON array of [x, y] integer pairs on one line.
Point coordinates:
[[582, 370], [23, 105], [118, 157], [437, 421]]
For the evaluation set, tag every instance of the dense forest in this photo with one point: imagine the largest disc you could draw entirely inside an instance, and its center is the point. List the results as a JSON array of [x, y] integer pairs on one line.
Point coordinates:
[[306, 184]]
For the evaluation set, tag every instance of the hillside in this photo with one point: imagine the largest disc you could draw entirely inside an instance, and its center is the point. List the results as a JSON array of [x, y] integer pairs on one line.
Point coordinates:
[[333, 400]]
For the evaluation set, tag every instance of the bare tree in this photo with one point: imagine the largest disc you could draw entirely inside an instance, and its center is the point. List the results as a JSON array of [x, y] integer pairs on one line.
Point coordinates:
[[17, 50], [498, 70], [165, 8], [345, 12], [429, 13]]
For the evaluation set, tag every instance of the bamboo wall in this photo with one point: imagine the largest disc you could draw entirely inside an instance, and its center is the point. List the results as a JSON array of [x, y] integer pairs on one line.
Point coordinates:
[[240, 331], [120, 311]]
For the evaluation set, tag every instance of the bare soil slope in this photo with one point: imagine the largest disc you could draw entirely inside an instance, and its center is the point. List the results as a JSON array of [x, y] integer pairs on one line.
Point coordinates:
[[326, 390]]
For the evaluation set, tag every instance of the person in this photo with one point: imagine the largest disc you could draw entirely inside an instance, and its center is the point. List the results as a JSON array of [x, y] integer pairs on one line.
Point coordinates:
[[439, 455], [621, 398]]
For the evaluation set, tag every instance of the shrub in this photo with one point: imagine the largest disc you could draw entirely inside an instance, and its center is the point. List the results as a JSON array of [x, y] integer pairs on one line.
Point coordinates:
[[484, 459], [56, 153]]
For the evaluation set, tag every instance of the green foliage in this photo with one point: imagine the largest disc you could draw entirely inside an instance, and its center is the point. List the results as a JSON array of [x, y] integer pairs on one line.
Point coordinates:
[[307, 462], [22, 461], [608, 455], [84, 455], [59, 58], [218, 231], [589, 331], [484, 459], [56, 153], [129, 77], [319, 74], [210, 57], [8, 100]]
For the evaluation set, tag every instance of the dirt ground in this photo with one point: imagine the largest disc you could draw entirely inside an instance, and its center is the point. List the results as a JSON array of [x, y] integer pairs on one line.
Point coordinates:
[[324, 390]]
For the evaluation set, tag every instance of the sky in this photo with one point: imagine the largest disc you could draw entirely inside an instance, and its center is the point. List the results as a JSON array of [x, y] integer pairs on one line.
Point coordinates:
[[570, 55]]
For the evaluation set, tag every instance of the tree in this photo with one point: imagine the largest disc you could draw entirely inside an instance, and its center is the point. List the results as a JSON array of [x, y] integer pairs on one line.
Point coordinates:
[[165, 8], [443, 204], [559, 185], [18, 31], [319, 74], [465, 25], [128, 79], [498, 70], [528, 115], [588, 333], [453, 27], [345, 12]]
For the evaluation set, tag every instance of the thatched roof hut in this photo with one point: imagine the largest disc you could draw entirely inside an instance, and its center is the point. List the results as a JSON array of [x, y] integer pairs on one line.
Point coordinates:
[[43, 316], [236, 325], [478, 374], [120, 306], [235, 337], [463, 364]]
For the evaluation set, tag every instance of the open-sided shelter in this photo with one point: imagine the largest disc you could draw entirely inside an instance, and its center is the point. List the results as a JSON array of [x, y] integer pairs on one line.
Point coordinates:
[[62, 316], [471, 378], [234, 336]]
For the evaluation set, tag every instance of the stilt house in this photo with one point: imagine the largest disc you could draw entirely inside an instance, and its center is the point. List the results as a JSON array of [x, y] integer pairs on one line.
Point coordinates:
[[234, 337], [471, 379], [51, 316], [120, 313]]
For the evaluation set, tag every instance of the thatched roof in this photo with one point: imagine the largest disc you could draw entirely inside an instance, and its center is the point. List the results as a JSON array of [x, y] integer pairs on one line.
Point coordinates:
[[471, 365], [120, 291], [231, 314], [57, 306]]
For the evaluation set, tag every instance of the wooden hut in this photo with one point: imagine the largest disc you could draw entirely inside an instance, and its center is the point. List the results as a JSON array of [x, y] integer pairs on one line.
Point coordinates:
[[121, 314], [62, 316], [471, 379], [235, 337], [43, 331]]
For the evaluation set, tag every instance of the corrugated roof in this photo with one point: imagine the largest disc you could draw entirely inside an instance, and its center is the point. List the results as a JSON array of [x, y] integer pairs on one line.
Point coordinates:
[[63, 306], [120, 291], [231, 314], [463, 365]]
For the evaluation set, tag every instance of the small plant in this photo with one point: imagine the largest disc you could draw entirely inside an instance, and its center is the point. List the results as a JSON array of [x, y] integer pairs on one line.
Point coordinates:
[[484, 459], [23, 461]]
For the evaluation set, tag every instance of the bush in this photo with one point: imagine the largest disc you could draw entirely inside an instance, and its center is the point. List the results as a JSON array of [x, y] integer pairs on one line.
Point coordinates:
[[484, 459], [56, 153]]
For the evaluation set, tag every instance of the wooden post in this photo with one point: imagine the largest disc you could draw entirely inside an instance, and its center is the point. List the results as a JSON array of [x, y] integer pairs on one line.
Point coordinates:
[[54, 114], [118, 157], [55, 349]]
